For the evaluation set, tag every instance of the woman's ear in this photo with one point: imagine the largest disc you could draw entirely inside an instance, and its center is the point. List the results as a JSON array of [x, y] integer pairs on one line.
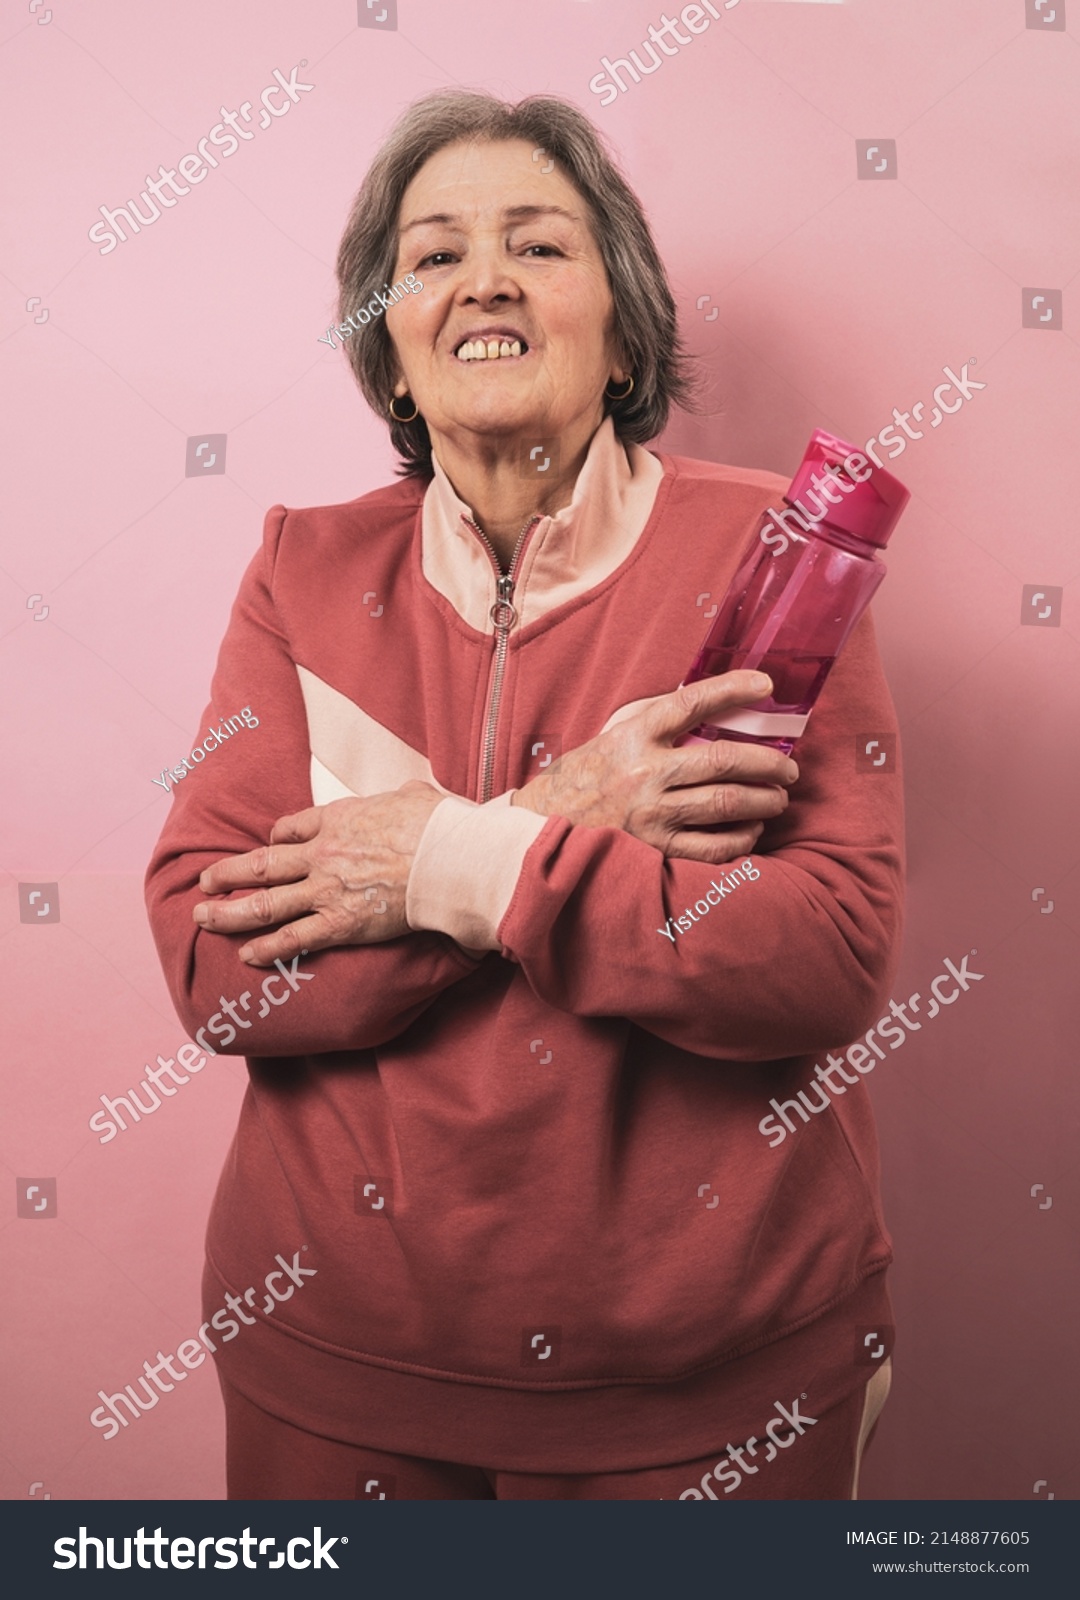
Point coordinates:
[[621, 366]]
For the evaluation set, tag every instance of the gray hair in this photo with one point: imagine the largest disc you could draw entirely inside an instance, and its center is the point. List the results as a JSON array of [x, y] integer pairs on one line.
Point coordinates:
[[646, 328]]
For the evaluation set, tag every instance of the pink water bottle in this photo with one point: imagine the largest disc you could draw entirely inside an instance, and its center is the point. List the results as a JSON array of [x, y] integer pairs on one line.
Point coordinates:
[[804, 581]]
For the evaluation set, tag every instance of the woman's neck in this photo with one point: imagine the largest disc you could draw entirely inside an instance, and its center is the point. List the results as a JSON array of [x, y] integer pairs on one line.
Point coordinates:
[[505, 490]]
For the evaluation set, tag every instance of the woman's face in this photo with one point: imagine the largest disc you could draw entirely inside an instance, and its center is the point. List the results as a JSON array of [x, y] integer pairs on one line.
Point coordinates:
[[504, 251]]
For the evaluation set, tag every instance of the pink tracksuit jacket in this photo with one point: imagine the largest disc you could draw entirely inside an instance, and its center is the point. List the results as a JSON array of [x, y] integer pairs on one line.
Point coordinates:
[[520, 1146]]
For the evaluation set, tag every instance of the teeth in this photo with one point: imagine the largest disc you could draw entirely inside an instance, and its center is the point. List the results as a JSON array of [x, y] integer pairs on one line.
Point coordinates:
[[488, 350]]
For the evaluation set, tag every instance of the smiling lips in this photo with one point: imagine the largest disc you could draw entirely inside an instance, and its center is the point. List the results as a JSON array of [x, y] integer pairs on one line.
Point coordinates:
[[489, 349]]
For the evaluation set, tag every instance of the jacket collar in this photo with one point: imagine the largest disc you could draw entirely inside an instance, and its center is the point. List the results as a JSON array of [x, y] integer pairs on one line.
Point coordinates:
[[565, 555]]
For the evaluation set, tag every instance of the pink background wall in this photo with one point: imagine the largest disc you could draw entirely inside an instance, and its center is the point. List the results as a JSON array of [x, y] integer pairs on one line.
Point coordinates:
[[832, 300]]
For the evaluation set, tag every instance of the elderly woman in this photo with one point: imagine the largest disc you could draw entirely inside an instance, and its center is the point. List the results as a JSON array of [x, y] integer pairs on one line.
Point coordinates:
[[500, 1175]]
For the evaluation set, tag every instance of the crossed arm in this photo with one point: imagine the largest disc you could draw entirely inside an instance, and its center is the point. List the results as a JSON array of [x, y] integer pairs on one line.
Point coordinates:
[[594, 855], [338, 874]]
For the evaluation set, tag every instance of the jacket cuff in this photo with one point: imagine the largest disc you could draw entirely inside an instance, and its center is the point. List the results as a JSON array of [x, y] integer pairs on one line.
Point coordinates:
[[467, 866]]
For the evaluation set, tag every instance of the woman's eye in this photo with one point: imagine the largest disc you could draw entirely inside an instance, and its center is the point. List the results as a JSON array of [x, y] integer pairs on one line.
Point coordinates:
[[439, 258]]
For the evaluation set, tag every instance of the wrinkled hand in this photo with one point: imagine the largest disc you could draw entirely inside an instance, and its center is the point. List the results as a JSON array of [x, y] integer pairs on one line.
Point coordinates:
[[633, 777], [331, 875]]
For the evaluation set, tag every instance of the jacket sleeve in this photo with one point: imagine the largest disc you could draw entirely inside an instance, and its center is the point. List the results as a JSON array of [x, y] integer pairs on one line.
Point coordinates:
[[358, 996], [795, 959]]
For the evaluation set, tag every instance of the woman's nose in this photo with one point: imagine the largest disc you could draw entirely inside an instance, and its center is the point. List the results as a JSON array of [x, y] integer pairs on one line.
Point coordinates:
[[487, 277]]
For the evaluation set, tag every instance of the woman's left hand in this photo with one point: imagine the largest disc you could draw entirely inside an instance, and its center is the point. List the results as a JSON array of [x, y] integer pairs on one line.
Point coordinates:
[[331, 875]]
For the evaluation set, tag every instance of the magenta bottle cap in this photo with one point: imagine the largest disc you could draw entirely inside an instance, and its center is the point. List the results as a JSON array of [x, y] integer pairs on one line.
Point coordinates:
[[867, 510]]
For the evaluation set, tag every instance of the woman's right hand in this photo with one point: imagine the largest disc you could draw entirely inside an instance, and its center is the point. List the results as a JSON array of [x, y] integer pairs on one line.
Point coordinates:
[[633, 777]]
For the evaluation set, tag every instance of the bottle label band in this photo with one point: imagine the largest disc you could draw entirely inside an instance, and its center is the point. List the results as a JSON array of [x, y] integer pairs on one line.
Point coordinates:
[[762, 724]]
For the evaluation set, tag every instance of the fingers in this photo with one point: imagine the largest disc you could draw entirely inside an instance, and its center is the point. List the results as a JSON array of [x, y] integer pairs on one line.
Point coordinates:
[[318, 933], [299, 827], [267, 864], [730, 761], [715, 849], [721, 802], [254, 910], [703, 701], [296, 938]]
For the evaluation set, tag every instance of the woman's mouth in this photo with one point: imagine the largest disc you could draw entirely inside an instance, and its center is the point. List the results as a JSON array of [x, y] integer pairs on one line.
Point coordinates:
[[490, 349]]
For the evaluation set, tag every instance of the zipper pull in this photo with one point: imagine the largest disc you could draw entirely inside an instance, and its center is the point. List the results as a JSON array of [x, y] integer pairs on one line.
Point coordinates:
[[503, 614]]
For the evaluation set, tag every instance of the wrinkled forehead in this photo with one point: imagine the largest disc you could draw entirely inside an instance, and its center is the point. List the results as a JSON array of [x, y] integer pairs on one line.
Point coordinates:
[[476, 182]]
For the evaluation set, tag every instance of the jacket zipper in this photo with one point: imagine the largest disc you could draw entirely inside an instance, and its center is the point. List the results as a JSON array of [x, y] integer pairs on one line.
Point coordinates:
[[503, 615]]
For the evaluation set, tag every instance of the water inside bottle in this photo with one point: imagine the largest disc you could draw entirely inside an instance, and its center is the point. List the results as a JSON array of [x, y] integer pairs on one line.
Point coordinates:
[[797, 677]]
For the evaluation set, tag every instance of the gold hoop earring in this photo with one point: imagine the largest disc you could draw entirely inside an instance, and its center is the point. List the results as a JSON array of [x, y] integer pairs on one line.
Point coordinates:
[[393, 413], [627, 392]]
